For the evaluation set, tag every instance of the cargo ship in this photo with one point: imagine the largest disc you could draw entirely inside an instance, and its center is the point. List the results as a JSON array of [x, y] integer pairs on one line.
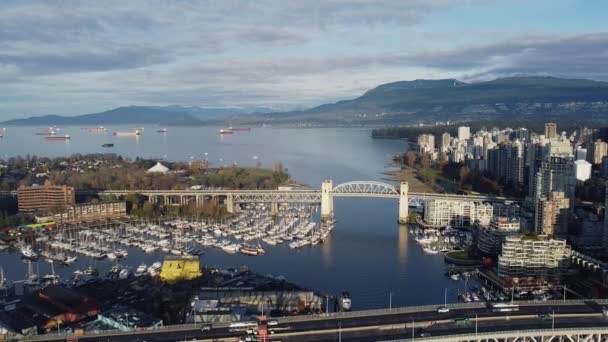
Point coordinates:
[[127, 134], [226, 131], [162, 130], [53, 138]]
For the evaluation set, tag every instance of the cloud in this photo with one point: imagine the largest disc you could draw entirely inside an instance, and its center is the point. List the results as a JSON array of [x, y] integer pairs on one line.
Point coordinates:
[[82, 56]]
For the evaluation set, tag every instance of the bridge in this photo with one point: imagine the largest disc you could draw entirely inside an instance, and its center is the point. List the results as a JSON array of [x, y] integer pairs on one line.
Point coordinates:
[[325, 196], [571, 320]]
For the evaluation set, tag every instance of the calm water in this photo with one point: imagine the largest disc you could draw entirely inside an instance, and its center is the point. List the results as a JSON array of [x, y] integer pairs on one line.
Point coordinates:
[[368, 254]]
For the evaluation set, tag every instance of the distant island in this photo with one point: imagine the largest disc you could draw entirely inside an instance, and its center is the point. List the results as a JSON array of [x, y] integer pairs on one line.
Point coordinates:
[[404, 102]]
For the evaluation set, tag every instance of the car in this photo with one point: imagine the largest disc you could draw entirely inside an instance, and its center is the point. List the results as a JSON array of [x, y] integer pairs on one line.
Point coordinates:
[[443, 309], [206, 327], [424, 334], [272, 323]]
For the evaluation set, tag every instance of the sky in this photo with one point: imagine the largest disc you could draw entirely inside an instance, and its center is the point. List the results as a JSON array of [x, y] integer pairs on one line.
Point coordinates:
[[73, 57]]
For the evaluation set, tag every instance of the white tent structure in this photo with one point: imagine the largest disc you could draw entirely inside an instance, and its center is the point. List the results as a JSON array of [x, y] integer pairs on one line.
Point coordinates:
[[158, 168]]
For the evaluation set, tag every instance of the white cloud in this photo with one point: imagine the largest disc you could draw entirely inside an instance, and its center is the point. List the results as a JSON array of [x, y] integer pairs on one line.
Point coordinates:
[[82, 56]]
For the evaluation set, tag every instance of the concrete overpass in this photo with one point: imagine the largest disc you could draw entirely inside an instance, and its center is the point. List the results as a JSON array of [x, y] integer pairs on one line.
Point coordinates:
[[574, 321]]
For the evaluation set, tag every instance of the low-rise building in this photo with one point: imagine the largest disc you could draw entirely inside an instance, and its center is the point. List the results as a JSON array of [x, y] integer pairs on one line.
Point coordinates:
[[93, 211], [44, 198], [534, 257], [176, 269], [440, 212], [491, 238]]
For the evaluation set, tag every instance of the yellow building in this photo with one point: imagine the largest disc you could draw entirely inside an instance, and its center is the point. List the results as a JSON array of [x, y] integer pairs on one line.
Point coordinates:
[[176, 269]]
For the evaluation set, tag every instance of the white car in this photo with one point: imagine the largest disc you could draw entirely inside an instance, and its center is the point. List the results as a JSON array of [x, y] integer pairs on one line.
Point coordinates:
[[443, 309]]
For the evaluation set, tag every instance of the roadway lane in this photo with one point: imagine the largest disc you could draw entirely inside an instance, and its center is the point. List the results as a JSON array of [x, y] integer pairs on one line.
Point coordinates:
[[350, 324]]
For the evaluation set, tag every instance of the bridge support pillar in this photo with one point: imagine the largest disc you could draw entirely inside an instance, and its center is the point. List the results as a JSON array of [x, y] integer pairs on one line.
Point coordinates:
[[274, 208], [327, 200], [230, 203], [403, 202]]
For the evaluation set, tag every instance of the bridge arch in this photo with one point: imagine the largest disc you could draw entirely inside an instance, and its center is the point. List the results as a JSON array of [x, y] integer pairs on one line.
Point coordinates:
[[365, 188]]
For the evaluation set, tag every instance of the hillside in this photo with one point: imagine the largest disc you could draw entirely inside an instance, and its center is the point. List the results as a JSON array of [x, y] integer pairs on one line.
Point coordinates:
[[518, 98]]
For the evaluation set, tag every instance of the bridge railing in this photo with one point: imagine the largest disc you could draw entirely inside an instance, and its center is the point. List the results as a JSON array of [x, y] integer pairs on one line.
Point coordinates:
[[495, 335], [413, 309]]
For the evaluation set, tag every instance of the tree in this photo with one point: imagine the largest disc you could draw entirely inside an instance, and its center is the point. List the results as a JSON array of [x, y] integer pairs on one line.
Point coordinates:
[[410, 158], [464, 175]]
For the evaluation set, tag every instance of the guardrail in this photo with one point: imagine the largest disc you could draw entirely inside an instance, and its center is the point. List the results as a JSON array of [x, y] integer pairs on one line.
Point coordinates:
[[508, 333], [318, 317]]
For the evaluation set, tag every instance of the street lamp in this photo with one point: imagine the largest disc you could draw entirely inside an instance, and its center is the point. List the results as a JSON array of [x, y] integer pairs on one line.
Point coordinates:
[[475, 324], [390, 301], [413, 337]]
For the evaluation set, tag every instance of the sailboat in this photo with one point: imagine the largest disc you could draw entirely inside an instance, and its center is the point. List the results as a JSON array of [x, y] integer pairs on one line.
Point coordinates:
[[6, 287], [52, 278], [31, 282]]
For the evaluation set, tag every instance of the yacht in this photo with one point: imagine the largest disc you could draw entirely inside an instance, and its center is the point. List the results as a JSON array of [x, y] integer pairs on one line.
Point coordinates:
[[250, 250], [28, 252], [230, 248], [91, 271], [141, 270], [124, 273]]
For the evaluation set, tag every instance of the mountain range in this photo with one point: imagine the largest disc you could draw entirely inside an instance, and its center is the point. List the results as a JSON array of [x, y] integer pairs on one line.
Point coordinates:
[[514, 98], [517, 98], [165, 115]]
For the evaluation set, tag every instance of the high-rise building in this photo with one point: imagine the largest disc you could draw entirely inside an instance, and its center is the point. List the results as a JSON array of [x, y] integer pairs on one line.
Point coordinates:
[[535, 155], [599, 150], [522, 134], [581, 153], [44, 198], [445, 142], [464, 133], [507, 162], [426, 143], [605, 240], [551, 215], [555, 174], [582, 170], [538, 258], [550, 130]]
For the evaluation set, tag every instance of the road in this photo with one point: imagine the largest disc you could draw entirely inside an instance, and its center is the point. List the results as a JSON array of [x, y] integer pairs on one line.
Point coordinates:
[[387, 325]]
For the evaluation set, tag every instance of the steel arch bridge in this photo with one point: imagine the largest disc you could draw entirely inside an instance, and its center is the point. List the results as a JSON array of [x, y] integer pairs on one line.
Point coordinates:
[[365, 189]]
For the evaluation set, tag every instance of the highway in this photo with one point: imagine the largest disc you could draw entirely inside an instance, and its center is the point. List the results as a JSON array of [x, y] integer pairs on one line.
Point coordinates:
[[382, 325]]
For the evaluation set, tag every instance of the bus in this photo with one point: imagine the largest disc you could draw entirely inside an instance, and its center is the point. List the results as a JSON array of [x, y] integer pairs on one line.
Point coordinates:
[[242, 326], [505, 307]]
